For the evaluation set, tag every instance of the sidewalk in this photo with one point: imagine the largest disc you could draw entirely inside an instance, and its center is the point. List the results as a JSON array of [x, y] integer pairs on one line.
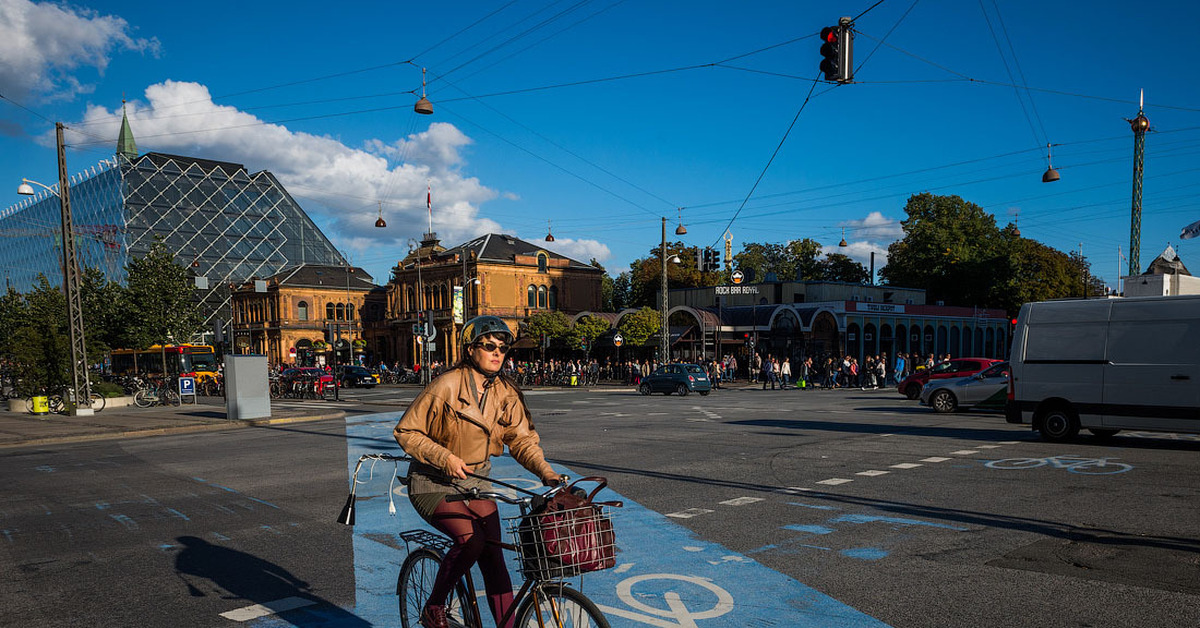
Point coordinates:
[[20, 429]]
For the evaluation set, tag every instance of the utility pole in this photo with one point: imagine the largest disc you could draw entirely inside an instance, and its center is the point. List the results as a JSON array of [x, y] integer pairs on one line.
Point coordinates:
[[1139, 125], [664, 342], [81, 387]]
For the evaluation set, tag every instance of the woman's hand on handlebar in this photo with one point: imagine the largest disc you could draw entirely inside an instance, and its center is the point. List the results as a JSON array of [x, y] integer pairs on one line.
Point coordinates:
[[456, 468], [555, 480]]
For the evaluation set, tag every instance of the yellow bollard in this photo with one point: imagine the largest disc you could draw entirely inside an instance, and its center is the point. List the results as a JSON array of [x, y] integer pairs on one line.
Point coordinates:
[[41, 404]]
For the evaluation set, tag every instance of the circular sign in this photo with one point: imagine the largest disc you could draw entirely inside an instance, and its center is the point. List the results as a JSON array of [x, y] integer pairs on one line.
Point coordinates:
[[292, 351], [618, 340], [341, 344], [737, 276]]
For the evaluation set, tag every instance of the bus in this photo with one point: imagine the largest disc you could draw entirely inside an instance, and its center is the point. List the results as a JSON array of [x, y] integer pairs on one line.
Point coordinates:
[[199, 361]]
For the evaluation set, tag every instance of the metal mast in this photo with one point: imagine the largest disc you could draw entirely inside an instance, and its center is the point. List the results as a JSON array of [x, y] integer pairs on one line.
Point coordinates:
[[1139, 125], [79, 375], [664, 341]]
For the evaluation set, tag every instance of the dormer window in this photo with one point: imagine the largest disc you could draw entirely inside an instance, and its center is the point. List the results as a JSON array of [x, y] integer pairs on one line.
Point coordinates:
[[543, 261]]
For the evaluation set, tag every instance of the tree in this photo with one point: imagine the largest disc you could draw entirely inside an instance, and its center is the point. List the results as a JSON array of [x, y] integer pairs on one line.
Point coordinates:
[[554, 325], [646, 274], [104, 313], [950, 249], [13, 316], [42, 344], [161, 302], [638, 326], [838, 267], [620, 293], [589, 327]]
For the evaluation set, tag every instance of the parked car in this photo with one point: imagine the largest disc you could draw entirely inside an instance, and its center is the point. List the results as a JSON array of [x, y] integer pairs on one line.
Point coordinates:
[[676, 378], [985, 390], [355, 376], [307, 372], [958, 367]]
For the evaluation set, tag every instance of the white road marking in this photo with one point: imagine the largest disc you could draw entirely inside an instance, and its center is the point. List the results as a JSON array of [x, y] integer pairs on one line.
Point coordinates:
[[689, 513], [741, 501], [793, 489], [935, 459], [270, 608], [872, 473], [906, 465], [987, 447], [835, 481], [963, 452], [1010, 442]]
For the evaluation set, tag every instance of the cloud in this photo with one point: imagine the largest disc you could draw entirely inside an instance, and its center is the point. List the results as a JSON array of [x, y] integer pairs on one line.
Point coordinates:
[[874, 227], [42, 45], [340, 187], [578, 250]]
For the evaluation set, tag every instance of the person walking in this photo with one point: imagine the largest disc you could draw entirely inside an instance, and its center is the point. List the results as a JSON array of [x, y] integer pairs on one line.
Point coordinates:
[[453, 427], [785, 373]]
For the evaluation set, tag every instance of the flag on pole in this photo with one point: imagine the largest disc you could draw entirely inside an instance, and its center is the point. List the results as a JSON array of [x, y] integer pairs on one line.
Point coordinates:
[[429, 204], [1190, 231]]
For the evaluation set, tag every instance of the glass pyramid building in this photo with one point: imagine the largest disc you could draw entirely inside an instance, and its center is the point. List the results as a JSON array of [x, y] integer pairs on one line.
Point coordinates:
[[227, 224]]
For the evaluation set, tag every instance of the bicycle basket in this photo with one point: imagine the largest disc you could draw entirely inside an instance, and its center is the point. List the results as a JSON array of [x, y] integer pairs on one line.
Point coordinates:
[[564, 543]]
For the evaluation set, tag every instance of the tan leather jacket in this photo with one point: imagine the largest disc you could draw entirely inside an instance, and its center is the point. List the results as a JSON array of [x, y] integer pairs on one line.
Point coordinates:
[[445, 419]]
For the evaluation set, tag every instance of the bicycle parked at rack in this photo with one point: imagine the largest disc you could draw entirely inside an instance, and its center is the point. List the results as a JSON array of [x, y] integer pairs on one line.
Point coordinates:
[[63, 402], [157, 393], [544, 600]]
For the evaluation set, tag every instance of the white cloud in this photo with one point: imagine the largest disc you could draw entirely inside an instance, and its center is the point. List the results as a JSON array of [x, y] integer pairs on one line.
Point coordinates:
[[339, 186], [578, 250], [874, 227], [41, 45]]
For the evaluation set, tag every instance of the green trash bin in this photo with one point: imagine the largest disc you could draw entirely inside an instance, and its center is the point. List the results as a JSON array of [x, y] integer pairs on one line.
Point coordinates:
[[41, 405]]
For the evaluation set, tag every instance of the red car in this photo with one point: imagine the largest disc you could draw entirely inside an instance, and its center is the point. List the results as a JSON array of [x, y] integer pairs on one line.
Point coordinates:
[[958, 367]]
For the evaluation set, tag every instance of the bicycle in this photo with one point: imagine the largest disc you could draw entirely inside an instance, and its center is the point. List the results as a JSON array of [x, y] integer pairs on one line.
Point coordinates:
[[156, 393], [543, 599], [1074, 464]]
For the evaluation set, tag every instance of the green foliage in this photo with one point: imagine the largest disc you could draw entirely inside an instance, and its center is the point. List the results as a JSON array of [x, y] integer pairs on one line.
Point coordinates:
[[589, 327], [955, 252], [838, 267], [640, 325], [161, 302], [41, 347], [107, 389], [555, 325], [104, 312], [620, 292], [13, 316], [645, 278]]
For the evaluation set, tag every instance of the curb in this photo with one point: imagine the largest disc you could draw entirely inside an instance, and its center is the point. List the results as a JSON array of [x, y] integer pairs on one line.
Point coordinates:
[[183, 429]]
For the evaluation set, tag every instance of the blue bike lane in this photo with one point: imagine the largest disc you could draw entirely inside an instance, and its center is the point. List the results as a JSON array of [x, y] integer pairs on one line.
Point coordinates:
[[664, 577]]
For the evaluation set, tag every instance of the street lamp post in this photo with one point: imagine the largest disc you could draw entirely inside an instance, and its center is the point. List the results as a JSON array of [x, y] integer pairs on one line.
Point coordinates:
[[81, 387], [665, 342]]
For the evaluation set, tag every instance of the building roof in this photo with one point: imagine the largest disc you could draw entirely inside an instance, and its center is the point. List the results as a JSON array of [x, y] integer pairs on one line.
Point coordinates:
[[322, 276], [1167, 263], [499, 248], [183, 162], [126, 146]]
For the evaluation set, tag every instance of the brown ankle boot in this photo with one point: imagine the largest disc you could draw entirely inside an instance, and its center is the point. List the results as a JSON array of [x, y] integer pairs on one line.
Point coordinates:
[[434, 617]]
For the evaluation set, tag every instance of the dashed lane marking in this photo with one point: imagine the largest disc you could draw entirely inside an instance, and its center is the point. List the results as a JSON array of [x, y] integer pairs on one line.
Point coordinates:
[[835, 481], [270, 608], [987, 447], [906, 465], [935, 459], [872, 473], [689, 513], [741, 501], [963, 452]]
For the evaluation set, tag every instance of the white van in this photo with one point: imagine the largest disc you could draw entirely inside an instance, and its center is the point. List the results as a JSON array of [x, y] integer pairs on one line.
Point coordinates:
[[1106, 365]]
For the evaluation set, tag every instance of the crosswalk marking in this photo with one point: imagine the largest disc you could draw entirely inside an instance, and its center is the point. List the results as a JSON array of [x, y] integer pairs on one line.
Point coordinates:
[[906, 465], [270, 608], [689, 513], [872, 473], [835, 481], [741, 501], [935, 459]]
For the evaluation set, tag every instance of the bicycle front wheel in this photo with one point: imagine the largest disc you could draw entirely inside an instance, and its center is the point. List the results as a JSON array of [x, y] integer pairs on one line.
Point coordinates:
[[98, 402], [415, 583], [559, 606], [144, 398]]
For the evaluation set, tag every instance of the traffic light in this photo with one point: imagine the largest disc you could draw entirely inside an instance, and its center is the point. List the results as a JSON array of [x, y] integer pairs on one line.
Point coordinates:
[[837, 51], [711, 263], [701, 260]]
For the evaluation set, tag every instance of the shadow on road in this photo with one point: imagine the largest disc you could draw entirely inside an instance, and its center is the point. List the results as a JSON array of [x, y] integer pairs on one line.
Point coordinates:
[[236, 575]]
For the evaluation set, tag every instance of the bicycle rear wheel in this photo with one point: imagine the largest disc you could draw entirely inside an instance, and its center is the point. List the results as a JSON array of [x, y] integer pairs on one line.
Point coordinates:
[[143, 398], [559, 606], [414, 584], [98, 402]]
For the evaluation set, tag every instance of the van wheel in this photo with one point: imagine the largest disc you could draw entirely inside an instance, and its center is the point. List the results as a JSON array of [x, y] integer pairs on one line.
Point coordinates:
[[1059, 424], [943, 401], [913, 391], [1103, 434]]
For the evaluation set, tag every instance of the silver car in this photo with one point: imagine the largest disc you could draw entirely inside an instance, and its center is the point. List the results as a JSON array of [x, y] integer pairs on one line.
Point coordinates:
[[985, 390]]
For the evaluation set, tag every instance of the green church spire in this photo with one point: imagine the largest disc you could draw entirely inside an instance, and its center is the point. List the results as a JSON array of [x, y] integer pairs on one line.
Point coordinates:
[[126, 147]]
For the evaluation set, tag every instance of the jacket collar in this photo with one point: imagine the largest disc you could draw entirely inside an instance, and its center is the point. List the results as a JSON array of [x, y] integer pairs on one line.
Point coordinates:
[[470, 408]]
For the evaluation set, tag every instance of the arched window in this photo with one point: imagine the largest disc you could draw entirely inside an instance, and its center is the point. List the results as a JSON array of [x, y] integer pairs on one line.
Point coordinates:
[[329, 311], [543, 260], [349, 311], [340, 308], [409, 304], [532, 296], [554, 297], [302, 310], [542, 296]]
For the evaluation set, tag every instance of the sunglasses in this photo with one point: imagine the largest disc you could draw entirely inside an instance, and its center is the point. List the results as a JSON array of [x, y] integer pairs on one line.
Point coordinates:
[[491, 346]]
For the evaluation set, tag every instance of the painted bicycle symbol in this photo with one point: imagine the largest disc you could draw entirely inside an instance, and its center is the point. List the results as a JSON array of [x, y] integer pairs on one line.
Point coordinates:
[[1074, 464], [677, 613]]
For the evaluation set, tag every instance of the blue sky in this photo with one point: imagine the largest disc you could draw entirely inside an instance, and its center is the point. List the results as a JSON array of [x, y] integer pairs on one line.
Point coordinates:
[[526, 134]]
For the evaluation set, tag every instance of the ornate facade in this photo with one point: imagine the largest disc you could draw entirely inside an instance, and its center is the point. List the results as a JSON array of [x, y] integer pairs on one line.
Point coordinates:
[[495, 274]]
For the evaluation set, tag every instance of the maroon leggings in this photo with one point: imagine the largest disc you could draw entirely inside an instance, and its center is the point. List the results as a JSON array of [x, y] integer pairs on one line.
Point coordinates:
[[475, 529]]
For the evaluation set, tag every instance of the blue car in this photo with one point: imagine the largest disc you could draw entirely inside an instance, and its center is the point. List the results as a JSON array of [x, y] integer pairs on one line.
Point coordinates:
[[677, 378]]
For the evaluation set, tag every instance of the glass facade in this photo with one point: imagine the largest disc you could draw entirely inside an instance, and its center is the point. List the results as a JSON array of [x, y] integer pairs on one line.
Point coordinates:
[[227, 224]]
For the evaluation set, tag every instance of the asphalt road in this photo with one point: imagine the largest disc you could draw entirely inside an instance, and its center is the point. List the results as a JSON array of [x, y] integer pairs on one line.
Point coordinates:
[[861, 500]]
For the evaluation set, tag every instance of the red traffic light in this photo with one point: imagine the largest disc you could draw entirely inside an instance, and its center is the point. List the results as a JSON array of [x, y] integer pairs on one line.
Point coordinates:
[[745, 335], [829, 34], [1014, 322]]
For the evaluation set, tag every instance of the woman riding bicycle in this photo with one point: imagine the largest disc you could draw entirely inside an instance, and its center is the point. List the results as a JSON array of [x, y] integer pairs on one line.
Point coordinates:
[[459, 421]]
